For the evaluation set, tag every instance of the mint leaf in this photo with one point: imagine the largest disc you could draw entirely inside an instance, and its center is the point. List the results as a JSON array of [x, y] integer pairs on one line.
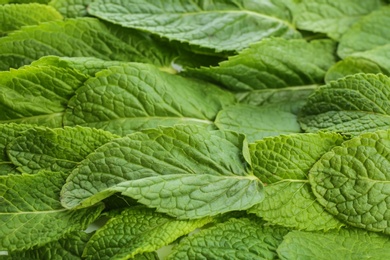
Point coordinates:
[[55, 149], [186, 171], [37, 94], [31, 213], [283, 164], [236, 238], [273, 63], [350, 105], [331, 17], [352, 181], [135, 231], [68, 248], [13, 17], [372, 27], [71, 8], [257, 122], [140, 96], [344, 243], [219, 25]]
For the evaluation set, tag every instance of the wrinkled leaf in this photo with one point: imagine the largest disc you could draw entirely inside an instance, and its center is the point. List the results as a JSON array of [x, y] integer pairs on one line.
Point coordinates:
[[71, 8]]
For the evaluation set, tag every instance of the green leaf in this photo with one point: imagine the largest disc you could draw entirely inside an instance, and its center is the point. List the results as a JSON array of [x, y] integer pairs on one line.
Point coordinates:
[[34, 216], [9, 132], [237, 238], [37, 94], [331, 17], [71, 8], [140, 96], [368, 33], [343, 244], [55, 149], [68, 248], [351, 105], [257, 122], [135, 231], [273, 63], [13, 17], [186, 171], [352, 181], [93, 38], [219, 25], [283, 164]]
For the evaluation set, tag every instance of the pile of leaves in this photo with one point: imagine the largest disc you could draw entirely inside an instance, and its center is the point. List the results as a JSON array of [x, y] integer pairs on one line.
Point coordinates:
[[246, 129]]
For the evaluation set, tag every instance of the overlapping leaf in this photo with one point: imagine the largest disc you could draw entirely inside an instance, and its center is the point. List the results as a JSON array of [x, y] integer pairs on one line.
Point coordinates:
[[71, 8]]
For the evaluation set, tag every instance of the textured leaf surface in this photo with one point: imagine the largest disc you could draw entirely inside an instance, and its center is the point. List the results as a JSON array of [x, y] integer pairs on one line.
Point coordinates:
[[219, 25], [353, 181], [331, 17], [283, 163], [12, 17], [257, 122], [345, 244], [68, 248], [93, 38], [368, 33], [237, 238], [32, 217], [55, 149], [354, 104], [185, 171], [135, 231], [140, 96], [273, 63], [37, 94], [71, 8]]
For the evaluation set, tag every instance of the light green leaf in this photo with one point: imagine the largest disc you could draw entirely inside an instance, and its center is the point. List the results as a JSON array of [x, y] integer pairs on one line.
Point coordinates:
[[93, 38], [352, 181], [236, 239], [9, 132], [257, 122], [331, 17], [186, 171], [219, 25], [59, 149], [140, 96], [31, 213], [37, 94], [273, 63], [13, 17], [68, 248], [368, 33], [71, 8], [283, 163], [135, 231], [354, 104], [342, 244]]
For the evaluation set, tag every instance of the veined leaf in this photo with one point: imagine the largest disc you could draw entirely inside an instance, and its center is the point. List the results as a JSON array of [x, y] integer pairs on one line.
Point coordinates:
[[273, 63], [68, 248], [9, 132], [71, 8], [283, 163], [331, 17], [186, 171], [33, 216], [372, 28], [257, 122], [352, 181], [219, 25], [343, 244], [237, 238], [138, 96], [354, 104], [135, 231], [37, 94], [13, 17], [57, 149], [93, 38]]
